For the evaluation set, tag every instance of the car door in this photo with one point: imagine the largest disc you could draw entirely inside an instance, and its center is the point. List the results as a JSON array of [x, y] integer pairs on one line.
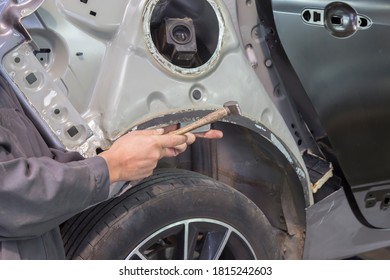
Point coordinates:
[[341, 54]]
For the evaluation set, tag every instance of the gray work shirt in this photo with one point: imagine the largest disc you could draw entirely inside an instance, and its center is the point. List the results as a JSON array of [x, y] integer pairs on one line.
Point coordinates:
[[40, 187]]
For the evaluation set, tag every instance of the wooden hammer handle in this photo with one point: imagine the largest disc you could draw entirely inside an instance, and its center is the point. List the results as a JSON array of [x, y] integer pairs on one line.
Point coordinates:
[[210, 118]]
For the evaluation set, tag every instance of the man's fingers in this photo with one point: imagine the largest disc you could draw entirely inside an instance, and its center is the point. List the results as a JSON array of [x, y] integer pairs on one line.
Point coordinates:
[[172, 152], [211, 134], [170, 141], [170, 128], [190, 138]]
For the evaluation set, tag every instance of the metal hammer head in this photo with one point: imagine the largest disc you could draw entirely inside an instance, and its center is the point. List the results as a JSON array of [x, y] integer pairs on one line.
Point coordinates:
[[232, 108]]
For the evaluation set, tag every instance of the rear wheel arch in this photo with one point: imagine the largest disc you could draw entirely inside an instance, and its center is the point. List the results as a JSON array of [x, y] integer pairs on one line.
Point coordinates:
[[247, 160], [244, 159]]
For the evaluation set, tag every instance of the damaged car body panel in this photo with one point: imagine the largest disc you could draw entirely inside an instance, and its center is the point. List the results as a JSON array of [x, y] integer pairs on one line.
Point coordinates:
[[129, 102], [88, 72], [93, 76]]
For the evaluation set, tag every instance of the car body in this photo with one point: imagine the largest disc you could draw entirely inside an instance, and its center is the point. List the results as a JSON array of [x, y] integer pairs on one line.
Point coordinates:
[[309, 148]]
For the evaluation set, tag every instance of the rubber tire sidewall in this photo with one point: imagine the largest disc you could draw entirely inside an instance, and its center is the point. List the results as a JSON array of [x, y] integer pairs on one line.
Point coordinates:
[[155, 204]]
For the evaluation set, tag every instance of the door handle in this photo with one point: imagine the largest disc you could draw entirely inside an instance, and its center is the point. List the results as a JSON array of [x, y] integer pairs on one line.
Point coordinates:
[[339, 18]]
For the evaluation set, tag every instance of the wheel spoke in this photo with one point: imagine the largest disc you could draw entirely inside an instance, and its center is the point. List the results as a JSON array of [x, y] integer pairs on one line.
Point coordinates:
[[179, 252], [214, 244], [140, 255], [192, 240], [186, 233], [223, 244]]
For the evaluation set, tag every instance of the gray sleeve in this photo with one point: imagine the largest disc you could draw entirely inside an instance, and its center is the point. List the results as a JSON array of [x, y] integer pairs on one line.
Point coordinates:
[[37, 194]]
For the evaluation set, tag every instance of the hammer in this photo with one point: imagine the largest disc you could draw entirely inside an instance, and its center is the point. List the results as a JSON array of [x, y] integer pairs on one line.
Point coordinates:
[[229, 108]]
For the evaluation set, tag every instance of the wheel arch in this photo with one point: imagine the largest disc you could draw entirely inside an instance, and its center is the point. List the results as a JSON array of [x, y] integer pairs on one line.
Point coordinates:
[[260, 171], [254, 161]]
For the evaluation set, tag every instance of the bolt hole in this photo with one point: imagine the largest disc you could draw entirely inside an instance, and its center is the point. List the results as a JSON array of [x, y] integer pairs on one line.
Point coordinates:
[[299, 142], [31, 78], [73, 131], [197, 94], [386, 201], [268, 63], [57, 111], [17, 59]]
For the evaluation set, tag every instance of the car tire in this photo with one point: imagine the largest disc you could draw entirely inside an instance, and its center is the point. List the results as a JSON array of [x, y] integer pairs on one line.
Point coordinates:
[[174, 214]]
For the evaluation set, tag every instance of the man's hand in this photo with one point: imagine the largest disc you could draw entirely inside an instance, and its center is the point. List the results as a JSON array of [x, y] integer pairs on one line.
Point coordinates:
[[135, 155], [211, 134]]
